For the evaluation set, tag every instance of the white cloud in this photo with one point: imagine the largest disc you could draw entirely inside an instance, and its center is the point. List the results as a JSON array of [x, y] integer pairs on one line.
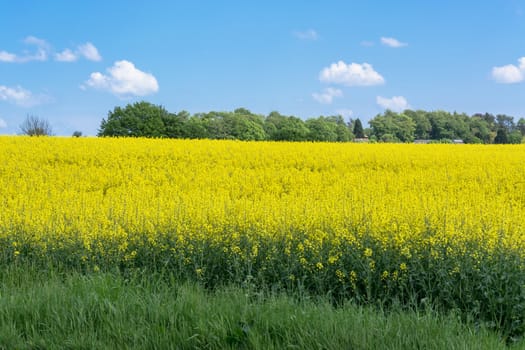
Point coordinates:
[[7, 57], [396, 103], [42, 50], [89, 51], [352, 74], [309, 34], [367, 43], [36, 41], [510, 74], [21, 96], [124, 80], [327, 96], [346, 113], [3, 124], [66, 56], [392, 42]]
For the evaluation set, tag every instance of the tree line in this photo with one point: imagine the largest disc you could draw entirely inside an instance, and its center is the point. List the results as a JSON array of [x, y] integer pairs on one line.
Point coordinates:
[[143, 119], [444, 126]]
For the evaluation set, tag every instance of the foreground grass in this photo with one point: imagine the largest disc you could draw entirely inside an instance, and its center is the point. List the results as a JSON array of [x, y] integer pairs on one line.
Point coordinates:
[[45, 310]]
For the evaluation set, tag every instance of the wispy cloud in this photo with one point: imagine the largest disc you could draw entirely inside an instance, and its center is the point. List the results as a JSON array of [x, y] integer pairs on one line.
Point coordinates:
[[346, 113], [3, 124], [66, 56], [42, 50], [367, 43], [392, 42], [309, 34], [21, 97], [396, 103], [353, 74], [87, 51], [123, 79], [40, 53], [510, 73], [327, 96]]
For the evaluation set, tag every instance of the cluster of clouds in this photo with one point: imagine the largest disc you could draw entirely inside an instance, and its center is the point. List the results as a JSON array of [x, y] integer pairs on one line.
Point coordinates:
[[355, 75], [122, 79], [21, 97], [43, 51], [363, 74]]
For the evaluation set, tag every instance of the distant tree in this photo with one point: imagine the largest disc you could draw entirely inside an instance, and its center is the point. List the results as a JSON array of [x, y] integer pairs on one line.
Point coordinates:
[[77, 133], [195, 128], [480, 129], [505, 122], [35, 126], [358, 129], [244, 125], [393, 127], [501, 136], [175, 124], [141, 119], [282, 128], [423, 126], [521, 126], [515, 137], [344, 133], [321, 129]]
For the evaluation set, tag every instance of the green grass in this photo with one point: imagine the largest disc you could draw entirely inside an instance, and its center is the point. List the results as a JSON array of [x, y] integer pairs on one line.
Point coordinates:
[[49, 310]]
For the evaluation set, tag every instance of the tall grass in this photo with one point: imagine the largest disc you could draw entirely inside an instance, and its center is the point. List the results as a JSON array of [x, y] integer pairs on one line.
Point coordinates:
[[51, 310]]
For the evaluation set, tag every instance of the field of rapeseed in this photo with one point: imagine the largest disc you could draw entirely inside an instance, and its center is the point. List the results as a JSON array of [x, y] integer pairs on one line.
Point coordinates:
[[438, 225]]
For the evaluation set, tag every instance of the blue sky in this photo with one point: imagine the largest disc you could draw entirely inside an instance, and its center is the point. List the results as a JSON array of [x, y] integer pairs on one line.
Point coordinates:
[[71, 62]]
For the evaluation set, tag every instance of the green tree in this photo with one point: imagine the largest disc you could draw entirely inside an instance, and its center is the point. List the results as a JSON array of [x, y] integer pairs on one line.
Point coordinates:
[[521, 126], [141, 119], [515, 137], [397, 127], [358, 129], [423, 127], [321, 129], [282, 128], [175, 124], [194, 128], [480, 129], [501, 136], [244, 125]]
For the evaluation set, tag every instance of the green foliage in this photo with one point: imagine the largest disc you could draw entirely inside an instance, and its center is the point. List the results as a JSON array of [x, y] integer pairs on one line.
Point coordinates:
[[50, 309], [487, 288], [501, 136], [282, 128], [441, 126], [358, 129], [321, 129], [393, 127], [143, 119]]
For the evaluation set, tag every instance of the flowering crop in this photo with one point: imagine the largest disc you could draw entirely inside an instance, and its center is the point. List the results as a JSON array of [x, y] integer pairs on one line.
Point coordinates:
[[405, 223]]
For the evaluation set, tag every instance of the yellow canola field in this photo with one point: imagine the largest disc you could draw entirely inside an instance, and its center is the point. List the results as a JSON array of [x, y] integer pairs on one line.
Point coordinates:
[[57, 192], [375, 223]]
